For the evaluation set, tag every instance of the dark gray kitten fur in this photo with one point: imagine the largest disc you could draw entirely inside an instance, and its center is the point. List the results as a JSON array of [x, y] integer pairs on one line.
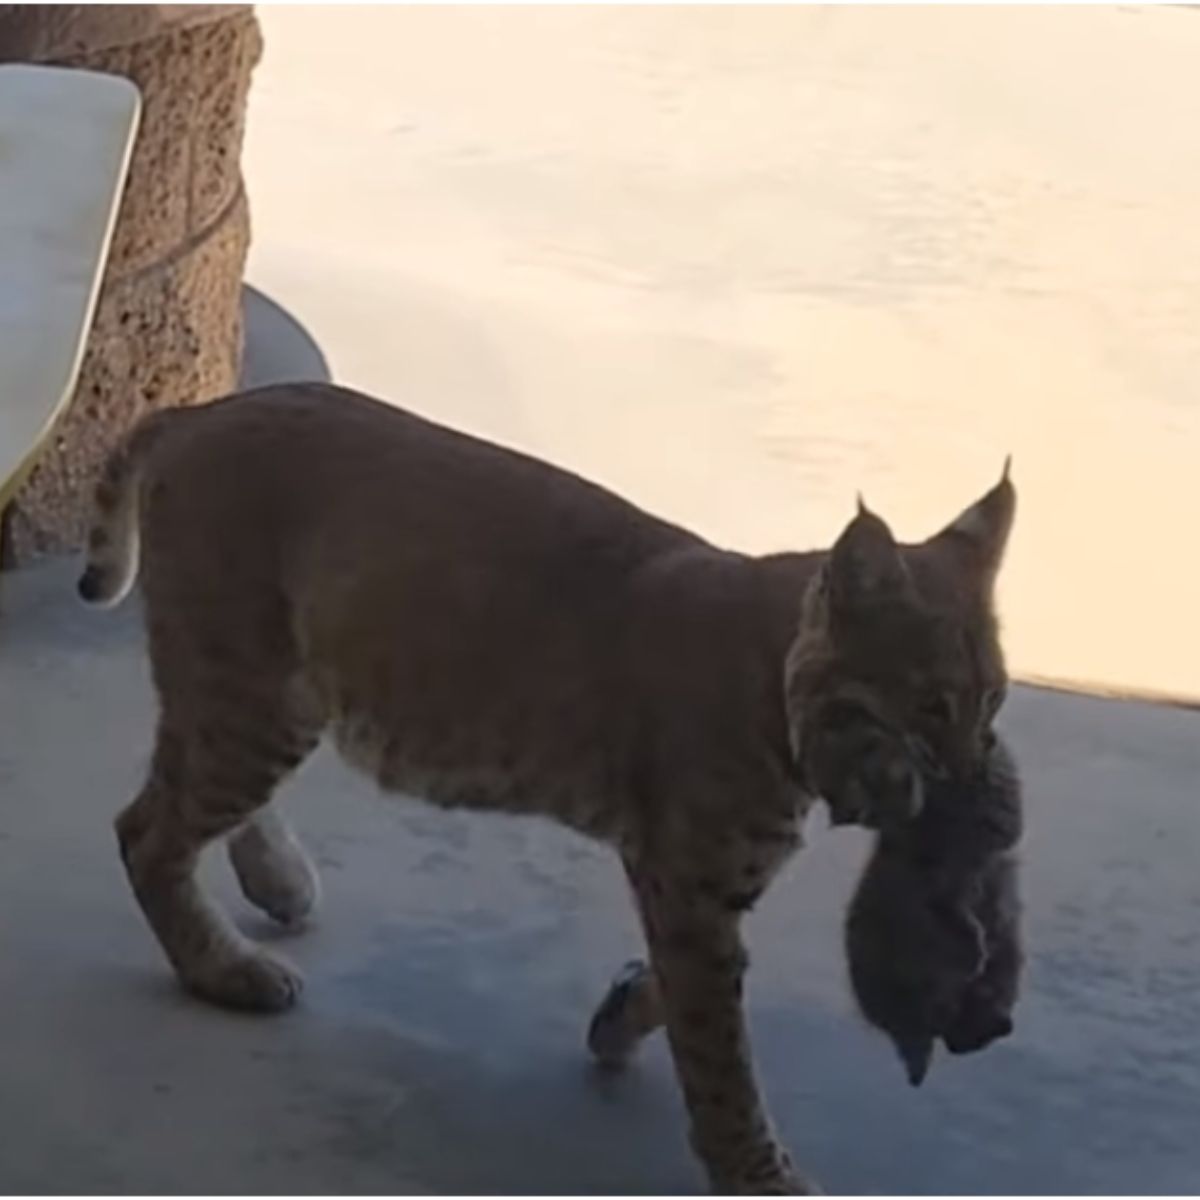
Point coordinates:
[[933, 930]]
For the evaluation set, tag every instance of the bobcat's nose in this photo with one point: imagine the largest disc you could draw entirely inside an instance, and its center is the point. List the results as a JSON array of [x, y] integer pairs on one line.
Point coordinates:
[[959, 757], [895, 793], [967, 756]]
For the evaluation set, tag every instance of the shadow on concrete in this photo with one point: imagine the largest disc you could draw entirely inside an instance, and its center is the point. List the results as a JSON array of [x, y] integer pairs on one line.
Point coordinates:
[[278, 348]]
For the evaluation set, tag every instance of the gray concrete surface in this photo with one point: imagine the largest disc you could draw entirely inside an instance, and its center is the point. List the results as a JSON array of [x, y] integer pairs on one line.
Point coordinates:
[[439, 1043]]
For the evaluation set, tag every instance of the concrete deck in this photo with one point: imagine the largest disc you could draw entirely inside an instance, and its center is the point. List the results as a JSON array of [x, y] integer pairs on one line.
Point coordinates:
[[439, 1043]]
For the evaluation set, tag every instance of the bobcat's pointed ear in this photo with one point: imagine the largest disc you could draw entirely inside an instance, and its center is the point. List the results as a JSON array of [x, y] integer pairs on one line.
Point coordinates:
[[980, 533], [865, 565]]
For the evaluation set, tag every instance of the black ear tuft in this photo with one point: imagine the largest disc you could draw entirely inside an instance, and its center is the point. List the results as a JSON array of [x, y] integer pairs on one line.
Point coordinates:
[[982, 530]]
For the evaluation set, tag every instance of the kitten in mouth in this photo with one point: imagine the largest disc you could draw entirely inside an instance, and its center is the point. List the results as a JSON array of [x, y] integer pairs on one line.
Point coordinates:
[[933, 930]]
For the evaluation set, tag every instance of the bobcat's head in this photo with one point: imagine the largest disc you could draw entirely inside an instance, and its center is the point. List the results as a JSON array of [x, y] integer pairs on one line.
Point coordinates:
[[896, 672]]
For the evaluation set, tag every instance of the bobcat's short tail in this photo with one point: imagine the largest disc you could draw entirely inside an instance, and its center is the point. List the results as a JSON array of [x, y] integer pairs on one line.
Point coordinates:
[[112, 550]]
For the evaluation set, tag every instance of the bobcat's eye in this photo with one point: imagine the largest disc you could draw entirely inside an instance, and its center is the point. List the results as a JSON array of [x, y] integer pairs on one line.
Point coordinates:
[[840, 715], [937, 709]]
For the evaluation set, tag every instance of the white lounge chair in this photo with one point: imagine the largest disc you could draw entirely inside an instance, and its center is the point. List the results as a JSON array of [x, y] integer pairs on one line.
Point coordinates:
[[65, 143]]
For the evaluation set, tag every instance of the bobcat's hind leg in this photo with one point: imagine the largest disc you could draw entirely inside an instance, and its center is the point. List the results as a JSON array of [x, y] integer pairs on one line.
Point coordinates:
[[209, 774], [275, 873]]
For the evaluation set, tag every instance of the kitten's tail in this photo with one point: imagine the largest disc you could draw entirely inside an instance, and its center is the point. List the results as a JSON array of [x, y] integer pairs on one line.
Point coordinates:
[[113, 542]]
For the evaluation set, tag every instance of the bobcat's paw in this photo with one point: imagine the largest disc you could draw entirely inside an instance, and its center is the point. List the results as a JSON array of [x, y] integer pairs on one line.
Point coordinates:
[[624, 1016], [777, 1176], [252, 981]]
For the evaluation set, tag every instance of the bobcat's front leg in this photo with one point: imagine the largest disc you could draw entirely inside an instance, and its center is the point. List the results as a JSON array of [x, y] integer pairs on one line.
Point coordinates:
[[698, 960]]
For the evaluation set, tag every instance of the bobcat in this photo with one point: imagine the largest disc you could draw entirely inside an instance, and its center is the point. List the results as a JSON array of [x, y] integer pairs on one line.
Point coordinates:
[[487, 631]]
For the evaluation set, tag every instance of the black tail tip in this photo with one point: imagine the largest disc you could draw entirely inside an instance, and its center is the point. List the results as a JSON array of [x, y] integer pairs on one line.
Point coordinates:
[[90, 585]]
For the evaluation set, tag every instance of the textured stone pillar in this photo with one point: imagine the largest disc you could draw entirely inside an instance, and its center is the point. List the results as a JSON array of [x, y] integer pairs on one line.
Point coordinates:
[[168, 327]]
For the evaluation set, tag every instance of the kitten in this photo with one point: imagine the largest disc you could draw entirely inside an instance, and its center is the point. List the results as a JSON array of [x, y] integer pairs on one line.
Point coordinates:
[[932, 933]]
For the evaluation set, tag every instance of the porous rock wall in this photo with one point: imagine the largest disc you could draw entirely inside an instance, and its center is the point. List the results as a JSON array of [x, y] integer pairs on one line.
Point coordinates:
[[168, 326]]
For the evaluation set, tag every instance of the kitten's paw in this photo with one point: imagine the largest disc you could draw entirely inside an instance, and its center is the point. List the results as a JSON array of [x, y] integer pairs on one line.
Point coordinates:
[[252, 981], [976, 1030], [623, 1017]]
